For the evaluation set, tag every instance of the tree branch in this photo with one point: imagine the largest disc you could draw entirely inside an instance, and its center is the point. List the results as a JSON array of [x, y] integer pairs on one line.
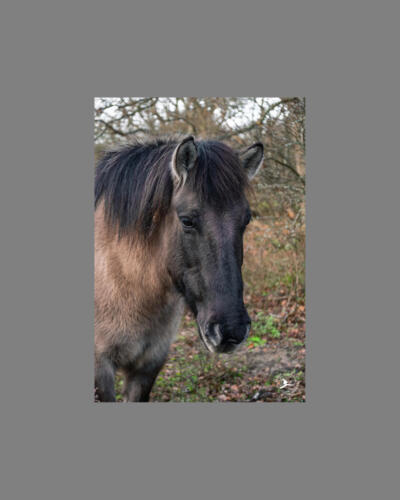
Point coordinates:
[[284, 164]]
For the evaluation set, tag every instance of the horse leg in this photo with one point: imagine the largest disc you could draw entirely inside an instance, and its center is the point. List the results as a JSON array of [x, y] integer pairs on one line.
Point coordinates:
[[104, 380], [138, 383]]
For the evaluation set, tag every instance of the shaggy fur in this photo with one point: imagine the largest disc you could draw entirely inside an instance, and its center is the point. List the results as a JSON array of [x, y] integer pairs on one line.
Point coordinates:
[[147, 265]]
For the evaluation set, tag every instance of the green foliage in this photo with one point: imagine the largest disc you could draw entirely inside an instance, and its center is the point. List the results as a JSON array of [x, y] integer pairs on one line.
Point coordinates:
[[256, 340], [298, 343], [263, 326]]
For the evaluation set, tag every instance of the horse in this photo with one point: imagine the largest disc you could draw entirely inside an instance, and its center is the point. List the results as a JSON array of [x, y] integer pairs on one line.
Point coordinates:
[[169, 221]]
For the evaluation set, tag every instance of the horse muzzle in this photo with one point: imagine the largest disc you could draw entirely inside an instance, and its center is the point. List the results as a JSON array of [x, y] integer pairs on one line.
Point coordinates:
[[223, 338]]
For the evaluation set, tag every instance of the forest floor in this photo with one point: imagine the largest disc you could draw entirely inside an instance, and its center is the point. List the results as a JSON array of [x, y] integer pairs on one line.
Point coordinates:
[[274, 371]]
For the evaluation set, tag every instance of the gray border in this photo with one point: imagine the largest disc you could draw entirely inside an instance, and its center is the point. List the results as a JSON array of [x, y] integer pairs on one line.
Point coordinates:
[[55, 444]]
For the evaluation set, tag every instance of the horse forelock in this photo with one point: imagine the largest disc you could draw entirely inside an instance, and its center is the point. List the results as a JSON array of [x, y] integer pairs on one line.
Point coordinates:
[[136, 185]]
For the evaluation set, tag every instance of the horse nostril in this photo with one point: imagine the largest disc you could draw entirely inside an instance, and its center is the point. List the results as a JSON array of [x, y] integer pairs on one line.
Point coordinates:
[[214, 334], [232, 340]]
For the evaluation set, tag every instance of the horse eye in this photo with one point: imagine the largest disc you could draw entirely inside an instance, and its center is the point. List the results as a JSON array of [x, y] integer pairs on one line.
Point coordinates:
[[248, 219], [186, 222]]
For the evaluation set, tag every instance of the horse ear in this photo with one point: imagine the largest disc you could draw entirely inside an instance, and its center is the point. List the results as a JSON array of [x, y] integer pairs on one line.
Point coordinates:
[[183, 160], [252, 159]]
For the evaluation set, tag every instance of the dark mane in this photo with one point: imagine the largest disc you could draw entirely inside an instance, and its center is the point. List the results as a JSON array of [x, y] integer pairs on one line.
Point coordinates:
[[136, 184]]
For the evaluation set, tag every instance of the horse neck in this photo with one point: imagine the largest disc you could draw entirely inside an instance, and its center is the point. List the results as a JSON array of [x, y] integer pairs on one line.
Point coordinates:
[[138, 266], [132, 267]]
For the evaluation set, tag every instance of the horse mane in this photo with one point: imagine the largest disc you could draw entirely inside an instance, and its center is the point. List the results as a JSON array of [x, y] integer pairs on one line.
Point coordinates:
[[136, 185]]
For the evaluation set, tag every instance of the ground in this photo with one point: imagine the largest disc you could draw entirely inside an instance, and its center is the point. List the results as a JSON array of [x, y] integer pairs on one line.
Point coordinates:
[[273, 372]]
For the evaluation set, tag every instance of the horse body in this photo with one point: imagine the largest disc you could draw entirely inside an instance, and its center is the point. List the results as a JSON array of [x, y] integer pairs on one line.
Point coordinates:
[[150, 262], [137, 309]]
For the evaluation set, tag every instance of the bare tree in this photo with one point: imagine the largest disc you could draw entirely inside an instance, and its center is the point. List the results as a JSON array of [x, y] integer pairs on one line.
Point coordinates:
[[279, 123]]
